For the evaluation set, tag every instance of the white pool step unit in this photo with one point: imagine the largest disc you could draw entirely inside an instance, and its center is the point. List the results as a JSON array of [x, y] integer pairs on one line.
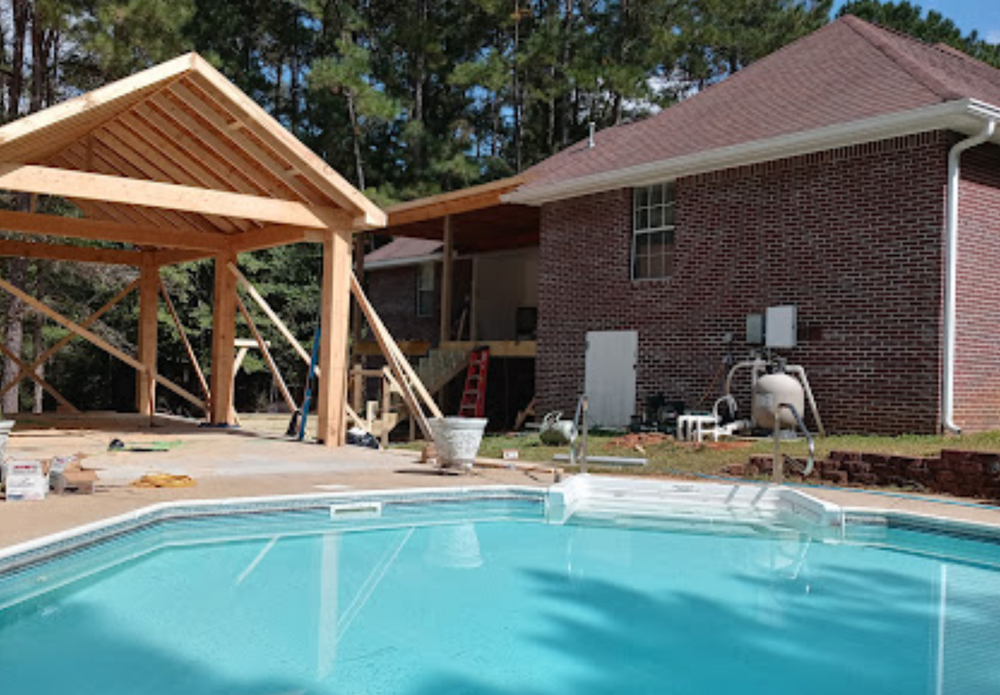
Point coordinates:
[[606, 497]]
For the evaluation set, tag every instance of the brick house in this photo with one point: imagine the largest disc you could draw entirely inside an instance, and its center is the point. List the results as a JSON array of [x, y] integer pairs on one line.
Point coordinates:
[[817, 177]]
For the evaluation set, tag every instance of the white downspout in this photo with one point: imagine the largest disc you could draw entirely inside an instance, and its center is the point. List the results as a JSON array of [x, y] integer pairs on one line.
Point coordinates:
[[951, 274]]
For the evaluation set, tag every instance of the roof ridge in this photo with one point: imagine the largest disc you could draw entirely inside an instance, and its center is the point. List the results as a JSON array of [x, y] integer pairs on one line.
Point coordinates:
[[877, 36]]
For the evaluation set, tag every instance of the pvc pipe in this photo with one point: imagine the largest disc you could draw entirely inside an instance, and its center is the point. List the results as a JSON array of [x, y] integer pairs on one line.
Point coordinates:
[[801, 373], [951, 274]]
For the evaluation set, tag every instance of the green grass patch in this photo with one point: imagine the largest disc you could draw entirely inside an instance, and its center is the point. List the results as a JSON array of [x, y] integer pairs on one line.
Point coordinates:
[[679, 458]]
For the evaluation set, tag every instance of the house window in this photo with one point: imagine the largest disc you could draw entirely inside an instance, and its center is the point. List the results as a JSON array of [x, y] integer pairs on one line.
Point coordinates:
[[425, 289], [653, 231]]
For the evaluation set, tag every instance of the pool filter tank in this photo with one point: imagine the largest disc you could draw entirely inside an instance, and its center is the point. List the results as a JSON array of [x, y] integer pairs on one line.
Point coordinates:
[[772, 390]]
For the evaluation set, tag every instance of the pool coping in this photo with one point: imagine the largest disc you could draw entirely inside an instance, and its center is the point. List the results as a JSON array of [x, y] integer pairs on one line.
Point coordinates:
[[560, 500]]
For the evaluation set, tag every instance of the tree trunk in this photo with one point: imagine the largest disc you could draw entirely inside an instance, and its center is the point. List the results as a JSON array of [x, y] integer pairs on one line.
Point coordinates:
[[356, 138], [37, 348]]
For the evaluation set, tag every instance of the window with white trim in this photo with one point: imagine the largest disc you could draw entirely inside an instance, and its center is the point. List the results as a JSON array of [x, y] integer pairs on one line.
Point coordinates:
[[653, 231], [425, 289]]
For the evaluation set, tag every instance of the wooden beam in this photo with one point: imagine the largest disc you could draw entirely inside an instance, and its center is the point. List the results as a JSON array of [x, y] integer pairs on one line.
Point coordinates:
[[262, 344], [223, 335], [149, 306], [63, 252], [447, 270], [76, 328], [335, 310], [180, 391], [474, 302], [356, 318], [176, 257], [155, 194], [498, 348], [52, 225], [23, 369], [63, 342], [269, 237], [192, 357]]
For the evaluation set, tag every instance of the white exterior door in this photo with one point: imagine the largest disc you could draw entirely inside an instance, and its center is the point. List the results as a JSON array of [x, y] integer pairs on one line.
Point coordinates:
[[610, 376]]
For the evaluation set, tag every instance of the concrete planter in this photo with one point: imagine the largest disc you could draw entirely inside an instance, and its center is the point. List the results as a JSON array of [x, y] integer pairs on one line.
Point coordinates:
[[457, 440]]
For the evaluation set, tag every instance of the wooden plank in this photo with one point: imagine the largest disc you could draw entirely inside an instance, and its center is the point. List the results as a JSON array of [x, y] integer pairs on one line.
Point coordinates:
[[474, 302], [168, 196], [447, 273], [31, 374], [63, 252], [177, 257], [265, 127], [52, 225], [266, 308], [334, 330], [76, 328], [180, 391], [262, 344], [63, 342], [223, 335], [192, 357], [269, 237], [149, 306]]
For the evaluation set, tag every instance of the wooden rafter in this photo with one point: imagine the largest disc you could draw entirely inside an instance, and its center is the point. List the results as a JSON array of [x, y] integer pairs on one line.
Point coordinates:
[[184, 339], [10, 248]]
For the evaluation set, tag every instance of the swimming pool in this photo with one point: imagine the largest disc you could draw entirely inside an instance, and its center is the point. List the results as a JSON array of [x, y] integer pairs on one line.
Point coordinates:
[[500, 591]]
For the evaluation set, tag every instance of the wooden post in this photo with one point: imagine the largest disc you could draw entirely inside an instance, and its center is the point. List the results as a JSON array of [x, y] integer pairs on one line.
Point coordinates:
[[223, 337], [149, 306], [474, 303], [334, 327], [447, 261], [356, 318]]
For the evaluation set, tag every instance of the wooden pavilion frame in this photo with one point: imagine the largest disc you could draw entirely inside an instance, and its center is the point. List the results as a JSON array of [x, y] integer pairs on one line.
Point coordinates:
[[178, 164]]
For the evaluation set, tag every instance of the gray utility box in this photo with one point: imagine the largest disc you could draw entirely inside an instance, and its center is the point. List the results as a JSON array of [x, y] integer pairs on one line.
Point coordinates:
[[781, 326]]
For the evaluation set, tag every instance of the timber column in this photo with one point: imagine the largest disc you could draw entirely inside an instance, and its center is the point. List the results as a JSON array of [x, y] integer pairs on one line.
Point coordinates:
[[149, 306], [335, 313], [223, 341]]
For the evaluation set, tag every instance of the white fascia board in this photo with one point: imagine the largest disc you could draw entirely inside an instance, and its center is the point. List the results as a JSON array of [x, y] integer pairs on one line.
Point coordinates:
[[964, 115]]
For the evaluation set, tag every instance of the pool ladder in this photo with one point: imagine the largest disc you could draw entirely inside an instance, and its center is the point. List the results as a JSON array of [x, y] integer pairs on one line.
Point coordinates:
[[778, 467]]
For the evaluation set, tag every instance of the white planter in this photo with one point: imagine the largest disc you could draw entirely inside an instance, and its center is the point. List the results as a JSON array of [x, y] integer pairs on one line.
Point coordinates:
[[457, 440]]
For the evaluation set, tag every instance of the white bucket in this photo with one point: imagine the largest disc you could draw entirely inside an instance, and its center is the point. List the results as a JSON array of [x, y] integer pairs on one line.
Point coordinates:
[[457, 440]]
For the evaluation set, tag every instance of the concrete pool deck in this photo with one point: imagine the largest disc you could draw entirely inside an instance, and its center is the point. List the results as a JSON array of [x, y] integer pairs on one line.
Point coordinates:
[[259, 462]]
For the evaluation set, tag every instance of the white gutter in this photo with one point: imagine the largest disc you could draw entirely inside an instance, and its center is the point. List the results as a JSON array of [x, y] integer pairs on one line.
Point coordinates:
[[962, 115], [951, 272]]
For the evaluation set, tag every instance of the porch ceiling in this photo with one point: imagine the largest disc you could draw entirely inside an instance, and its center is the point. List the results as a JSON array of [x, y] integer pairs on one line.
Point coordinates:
[[480, 222]]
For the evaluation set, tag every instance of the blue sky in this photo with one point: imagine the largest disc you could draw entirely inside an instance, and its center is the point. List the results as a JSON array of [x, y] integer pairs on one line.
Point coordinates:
[[979, 15]]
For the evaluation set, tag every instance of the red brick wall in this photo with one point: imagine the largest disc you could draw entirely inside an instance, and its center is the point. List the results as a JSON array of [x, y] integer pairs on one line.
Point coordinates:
[[853, 237], [977, 368], [393, 293]]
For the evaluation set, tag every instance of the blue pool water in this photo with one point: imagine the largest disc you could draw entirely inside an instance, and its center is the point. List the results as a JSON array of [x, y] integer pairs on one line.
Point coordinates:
[[497, 601]]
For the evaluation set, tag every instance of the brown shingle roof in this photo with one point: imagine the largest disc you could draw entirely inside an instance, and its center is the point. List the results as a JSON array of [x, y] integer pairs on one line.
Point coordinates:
[[847, 71], [403, 249]]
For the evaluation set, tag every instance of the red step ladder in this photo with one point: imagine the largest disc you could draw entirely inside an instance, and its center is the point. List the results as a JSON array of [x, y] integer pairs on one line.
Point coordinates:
[[474, 393]]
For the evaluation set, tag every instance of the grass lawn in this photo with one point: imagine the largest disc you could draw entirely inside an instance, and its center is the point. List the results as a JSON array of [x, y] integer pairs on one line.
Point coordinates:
[[689, 458]]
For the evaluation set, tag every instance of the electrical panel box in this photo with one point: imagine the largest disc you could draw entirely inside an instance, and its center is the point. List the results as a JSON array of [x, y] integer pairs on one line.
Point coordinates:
[[781, 327], [755, 329]]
